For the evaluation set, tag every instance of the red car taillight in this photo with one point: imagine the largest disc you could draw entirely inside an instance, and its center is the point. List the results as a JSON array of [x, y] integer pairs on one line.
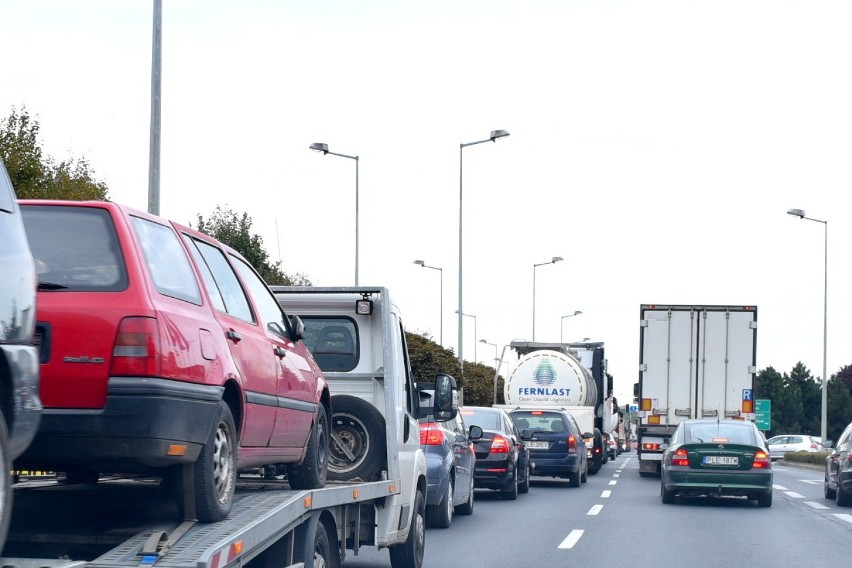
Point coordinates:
[[572, 444], [680, 457], [499, 445], [761, 460], [137, 347], [431, 434]]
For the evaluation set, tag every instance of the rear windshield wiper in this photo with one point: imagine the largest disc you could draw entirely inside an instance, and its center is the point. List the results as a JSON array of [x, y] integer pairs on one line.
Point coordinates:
[[50, 286]]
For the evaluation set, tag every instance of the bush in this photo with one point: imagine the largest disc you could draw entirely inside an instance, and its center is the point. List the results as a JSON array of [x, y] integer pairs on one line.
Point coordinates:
[[815, 458]]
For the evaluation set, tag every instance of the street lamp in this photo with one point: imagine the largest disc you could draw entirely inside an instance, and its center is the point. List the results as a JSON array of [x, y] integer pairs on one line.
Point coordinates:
[[320, 147], [421, 263], [562, 320], [553, 260], [495, 134], [824, 419], [474, 332], [493, 345], [497, 371]]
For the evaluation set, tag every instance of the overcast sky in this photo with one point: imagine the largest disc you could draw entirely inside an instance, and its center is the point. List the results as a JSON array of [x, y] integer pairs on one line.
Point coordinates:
[[655, 146]]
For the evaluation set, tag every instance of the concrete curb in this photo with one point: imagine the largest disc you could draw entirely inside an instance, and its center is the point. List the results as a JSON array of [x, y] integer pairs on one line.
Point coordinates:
[[800, 465]]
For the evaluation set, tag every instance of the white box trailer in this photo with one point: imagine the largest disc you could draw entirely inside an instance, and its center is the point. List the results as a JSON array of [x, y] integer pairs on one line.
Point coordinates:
[[695, 361]]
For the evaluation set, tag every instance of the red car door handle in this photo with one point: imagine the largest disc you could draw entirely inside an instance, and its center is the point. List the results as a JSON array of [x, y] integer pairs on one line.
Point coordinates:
[[233, 336]]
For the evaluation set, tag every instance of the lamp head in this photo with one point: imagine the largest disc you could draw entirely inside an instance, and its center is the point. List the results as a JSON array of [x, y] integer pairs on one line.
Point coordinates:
[[495, 134], [577, 312], [556, 259], [319, 147], [419, 262], [796, 213]]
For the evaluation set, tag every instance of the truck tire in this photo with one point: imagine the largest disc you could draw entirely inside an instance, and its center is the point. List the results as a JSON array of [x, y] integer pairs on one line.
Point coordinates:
[[409, 554], [5, 483], [325, 554], [356, 450], [441, 515], [313, 471], [215, 470]]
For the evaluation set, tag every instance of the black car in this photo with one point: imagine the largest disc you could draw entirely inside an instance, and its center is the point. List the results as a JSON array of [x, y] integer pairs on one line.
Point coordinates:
[[838, 469], [555, 443], [502, 458], [20, 405]]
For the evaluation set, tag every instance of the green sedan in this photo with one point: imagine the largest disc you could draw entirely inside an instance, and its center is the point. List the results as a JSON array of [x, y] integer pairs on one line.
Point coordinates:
[[717, 458]]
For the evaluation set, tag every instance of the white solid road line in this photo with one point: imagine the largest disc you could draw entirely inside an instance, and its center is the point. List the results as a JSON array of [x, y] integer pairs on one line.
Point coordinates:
[[571, 539], [595, 510]]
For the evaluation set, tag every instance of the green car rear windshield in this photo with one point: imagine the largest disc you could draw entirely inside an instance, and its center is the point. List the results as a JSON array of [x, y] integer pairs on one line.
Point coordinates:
[[722, 433]]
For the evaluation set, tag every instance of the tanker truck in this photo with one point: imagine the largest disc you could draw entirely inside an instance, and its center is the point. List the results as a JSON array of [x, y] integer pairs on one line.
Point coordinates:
[[570, 376]]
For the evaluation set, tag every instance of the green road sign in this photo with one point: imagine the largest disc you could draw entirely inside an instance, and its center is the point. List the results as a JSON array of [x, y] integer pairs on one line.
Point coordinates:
[[762, 414]]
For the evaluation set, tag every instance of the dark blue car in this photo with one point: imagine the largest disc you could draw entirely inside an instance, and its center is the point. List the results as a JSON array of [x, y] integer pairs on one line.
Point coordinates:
[[449, 469], [555, 443], [502, 459]]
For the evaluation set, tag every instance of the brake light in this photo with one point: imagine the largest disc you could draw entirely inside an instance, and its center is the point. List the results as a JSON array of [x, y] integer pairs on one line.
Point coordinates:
[[680, 457], [499, 445], [761, 460], [431, 434], [137, 348], [572, 444], [651, 446]]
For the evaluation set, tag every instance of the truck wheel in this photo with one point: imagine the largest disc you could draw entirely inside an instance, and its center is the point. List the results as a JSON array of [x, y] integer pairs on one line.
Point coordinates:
[[357, 446], [215, 470], [312, 472], [466, 508], [5, 483], [409, 554], [441, 515], [324, 554]]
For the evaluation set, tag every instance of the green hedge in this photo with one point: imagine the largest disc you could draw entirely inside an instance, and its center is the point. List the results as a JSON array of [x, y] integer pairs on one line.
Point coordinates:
[[816, 458]]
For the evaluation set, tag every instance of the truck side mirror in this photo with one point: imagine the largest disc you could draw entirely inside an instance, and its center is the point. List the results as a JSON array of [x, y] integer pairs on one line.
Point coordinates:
[[446, 399]]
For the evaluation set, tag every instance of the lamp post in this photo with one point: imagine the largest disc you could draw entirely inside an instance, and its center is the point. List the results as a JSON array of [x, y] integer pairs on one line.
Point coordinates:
[[320, 147], [493, 345], [497, 370], [824, 419], [474, 332], [562, 320], [424, 265], [495, 134], [553, 260]]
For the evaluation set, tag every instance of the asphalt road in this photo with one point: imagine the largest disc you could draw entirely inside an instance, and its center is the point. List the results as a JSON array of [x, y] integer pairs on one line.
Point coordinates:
[[617, 518]]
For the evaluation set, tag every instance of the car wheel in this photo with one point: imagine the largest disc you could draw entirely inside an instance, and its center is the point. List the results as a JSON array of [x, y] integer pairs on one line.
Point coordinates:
[[441, 515], [764, 500], [574, 479], [511, 492], [827, 491], [584, 477], [466, 508], [524, 487], [215, 470], [409, 554], [842, 497], [667, 496], [312, 472], [5, 483]]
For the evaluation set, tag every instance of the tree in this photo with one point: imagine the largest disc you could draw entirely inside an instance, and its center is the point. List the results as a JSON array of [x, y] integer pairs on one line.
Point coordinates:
[[839, 406], [226, 226], [810, 393], [35, 176]]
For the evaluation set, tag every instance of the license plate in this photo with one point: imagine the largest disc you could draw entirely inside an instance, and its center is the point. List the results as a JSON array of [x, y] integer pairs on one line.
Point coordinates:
[[721, 460], [537, 445]]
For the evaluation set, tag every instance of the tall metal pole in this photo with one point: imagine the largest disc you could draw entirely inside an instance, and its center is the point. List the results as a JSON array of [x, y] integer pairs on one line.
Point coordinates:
[[357, 248], [824, 429], [533, 306], [461, 264], [154, 147]]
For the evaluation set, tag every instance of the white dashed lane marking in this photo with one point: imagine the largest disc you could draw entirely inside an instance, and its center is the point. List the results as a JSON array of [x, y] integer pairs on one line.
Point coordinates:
[[595, 510], [815, 505], [779, 487], [606, 494], [571, 539], [613, 482], [844, 517], [794, 494]]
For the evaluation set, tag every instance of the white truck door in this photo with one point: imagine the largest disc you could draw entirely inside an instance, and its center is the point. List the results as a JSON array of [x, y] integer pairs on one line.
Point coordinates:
[[725, 362]]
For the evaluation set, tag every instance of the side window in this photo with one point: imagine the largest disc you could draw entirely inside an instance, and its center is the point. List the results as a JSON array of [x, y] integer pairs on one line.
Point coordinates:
[[166, 260], [333, 341], [267, 305], [206, 275], [233, 297]]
